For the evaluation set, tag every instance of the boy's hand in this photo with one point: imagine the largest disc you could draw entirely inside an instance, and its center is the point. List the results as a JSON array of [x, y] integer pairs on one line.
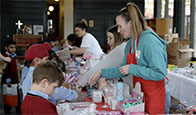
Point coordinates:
[[1, 71], [79, 99], [7, 59], [9, 84], [66, 85], [78, 88]]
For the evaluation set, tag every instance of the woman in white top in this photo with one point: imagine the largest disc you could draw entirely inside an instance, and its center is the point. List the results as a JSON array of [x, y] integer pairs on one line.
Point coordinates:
[[114, 57], [89, 45]]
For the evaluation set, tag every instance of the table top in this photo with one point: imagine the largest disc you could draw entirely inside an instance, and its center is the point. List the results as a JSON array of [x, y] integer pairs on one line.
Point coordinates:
[[182, 88], [180, 76], [99, 106]]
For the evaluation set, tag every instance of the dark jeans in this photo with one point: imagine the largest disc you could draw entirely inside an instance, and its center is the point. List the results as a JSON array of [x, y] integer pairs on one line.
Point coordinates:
[[7, 109]]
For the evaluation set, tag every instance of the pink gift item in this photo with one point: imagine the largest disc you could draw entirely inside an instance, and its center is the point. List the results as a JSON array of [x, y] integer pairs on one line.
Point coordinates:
[[134, 104], [97, 96], [133, 109], [134, 113], [108, 113]]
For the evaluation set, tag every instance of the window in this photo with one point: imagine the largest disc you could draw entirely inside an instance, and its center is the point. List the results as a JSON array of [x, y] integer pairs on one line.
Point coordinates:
[[50, 25], [162, 8], [171, 8], [187, 7], [149, 9]]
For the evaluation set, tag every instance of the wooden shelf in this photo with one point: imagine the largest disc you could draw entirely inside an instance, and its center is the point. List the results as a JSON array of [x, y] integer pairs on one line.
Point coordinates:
[[22, 45], [26, 40], [20, 57]]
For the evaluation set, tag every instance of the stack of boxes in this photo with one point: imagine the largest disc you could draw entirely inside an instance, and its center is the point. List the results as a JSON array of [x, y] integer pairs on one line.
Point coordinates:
[[179, 52], [159, 25], [178, 49]]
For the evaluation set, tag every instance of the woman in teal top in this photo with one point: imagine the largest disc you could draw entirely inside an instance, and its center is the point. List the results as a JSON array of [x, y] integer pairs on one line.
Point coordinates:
[[145, 58], [152, 60]]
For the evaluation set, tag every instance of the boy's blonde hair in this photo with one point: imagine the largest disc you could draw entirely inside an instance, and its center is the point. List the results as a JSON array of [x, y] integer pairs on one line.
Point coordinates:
[[63, 41]]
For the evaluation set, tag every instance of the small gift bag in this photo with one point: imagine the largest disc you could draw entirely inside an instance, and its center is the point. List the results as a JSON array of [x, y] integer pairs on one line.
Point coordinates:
[[10, 94]]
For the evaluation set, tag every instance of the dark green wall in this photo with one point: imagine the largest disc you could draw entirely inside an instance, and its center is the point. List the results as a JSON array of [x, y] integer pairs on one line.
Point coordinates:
[[31, 12], [140, 4], [101, 11], [0, 26]]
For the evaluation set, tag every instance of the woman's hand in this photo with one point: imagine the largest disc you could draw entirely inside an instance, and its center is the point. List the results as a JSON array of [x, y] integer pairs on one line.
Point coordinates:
[[75, 47], [94, 77], [102, 82], [124, 69]]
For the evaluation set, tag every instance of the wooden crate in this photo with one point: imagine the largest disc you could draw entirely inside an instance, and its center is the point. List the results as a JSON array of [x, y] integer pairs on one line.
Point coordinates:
[[159, 25]]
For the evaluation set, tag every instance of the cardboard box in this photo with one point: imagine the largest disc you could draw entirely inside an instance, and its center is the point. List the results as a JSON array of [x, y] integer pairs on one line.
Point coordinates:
[[159, 25], [179, 52], [175, 103], [169, 37], [162, 26]]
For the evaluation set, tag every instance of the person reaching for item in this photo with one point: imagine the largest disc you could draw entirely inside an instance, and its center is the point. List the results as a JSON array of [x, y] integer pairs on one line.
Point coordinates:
[[145, 58]]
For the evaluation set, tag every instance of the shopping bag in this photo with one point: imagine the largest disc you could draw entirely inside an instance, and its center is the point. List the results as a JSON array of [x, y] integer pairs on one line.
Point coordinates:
[[10, 90], [10, 94]]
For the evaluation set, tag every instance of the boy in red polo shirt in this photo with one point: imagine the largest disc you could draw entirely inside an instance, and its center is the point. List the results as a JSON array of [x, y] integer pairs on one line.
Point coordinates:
[[10, 78], [46, 77]]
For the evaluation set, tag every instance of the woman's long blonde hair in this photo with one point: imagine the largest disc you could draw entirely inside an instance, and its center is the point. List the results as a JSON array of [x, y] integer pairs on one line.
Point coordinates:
[[133, 14], [118, 38]]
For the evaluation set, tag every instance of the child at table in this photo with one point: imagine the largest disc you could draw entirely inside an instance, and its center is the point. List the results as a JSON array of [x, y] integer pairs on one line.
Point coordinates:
[[46, 77], [10, 78], [36, 54]]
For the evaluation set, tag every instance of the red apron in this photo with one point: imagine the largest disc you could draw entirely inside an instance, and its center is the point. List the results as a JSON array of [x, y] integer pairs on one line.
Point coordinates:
[[154, 91]]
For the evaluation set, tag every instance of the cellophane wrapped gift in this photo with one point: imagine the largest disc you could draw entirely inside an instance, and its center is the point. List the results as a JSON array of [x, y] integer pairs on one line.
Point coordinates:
[[78, 108], [134, 105]]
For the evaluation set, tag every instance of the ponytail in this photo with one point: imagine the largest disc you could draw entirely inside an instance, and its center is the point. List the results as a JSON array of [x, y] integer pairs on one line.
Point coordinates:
[[83, 24], [137, 20], [83, 21], [133, 14], [124, 13]]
